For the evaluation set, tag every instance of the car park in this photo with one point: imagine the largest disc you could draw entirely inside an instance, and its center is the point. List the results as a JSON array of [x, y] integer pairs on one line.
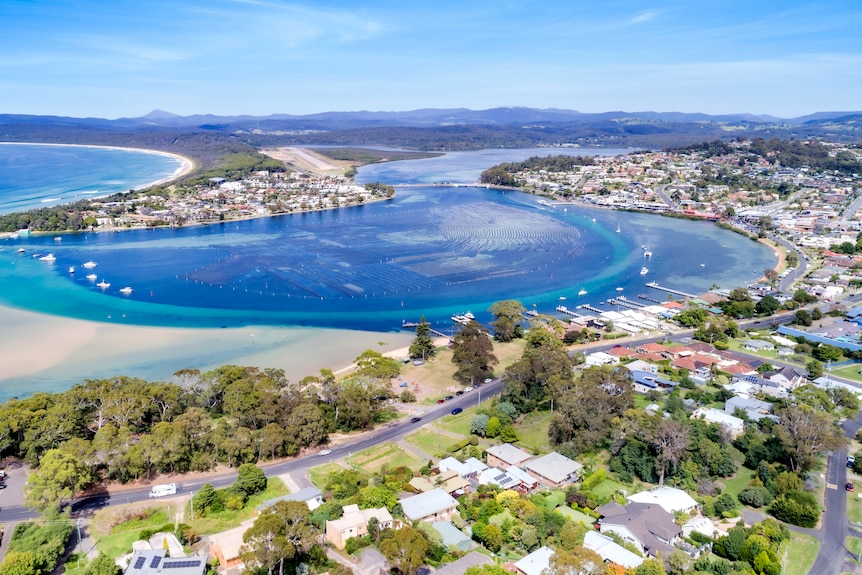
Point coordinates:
[[456, 411]]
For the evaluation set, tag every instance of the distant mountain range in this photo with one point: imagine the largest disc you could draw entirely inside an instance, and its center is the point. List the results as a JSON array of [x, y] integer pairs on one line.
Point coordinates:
[[428, 118], [430, 129]]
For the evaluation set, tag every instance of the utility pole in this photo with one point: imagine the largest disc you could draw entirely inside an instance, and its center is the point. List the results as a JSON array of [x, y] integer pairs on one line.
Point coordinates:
[[80, 542]]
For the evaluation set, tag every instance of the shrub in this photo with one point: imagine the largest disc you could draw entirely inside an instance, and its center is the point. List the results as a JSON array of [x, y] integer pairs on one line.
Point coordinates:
[[755, 496], [594, 479], [796, 507]]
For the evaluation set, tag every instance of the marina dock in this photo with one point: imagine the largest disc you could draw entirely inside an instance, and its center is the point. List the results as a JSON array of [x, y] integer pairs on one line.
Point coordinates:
[[654, 285], [625, 303], [588, 307], [649, 299]]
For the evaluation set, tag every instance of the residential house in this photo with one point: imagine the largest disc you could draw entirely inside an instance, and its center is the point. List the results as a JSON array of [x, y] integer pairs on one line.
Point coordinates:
[[436, 505], [449, 481], [787, 377], [702, 525], [452, 536], [536, 562], [758, 345], [311, 496], [225, 546], [648, 527], [670, 499], [354, 523], [601, 358], [641, 365], [652, 348], [528, 482], [459, 567], [553, 469], [501, 478], [643, 382], [153, 561], [471, 467], [505, 455], [733, 425], [610, 551], [761, 385], [754, 409]]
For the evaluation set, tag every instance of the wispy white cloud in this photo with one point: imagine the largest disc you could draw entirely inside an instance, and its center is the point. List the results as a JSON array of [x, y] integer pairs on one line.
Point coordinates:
[[644, 16]]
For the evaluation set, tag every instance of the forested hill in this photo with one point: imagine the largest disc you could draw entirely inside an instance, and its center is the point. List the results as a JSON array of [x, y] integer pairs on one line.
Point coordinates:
[[789, 153]]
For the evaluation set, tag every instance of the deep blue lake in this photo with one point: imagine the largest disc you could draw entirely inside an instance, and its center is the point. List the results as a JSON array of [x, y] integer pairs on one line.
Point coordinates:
[[432, 251]]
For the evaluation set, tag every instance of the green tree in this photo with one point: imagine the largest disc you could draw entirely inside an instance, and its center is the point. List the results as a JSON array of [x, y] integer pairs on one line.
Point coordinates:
[[507, 319], [807, 434], [473, 354], [579, 561], [405, 548], [494, 427], [250, 479], [103, 565], [423, 344], [21, 563], [282, 535], [374, 364], [814, 368], [479, 424], [58, 478]]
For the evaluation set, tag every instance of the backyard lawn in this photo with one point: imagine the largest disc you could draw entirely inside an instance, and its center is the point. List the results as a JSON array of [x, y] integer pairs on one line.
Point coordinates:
[[321, 472], [532, 431], [607, 488], [738, 482], [576, 515]]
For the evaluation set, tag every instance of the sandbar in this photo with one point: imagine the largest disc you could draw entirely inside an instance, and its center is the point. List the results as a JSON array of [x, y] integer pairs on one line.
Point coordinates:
[[48, 353]]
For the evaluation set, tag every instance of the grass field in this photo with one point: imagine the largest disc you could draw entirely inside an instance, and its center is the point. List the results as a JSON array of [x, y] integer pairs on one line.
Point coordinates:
[[533, 431], [228, 518], [388, 454], [321, 472], [576, 515], [607, 488], [430, 441], [798, 553], [738, 482], [114, 530], [848, 371], [854, 507], [854, 546]]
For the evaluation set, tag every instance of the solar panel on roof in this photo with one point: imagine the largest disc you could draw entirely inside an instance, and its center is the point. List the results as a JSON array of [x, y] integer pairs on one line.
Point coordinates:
[[500, 477], [139, 563], [181, 564], [155, 562]]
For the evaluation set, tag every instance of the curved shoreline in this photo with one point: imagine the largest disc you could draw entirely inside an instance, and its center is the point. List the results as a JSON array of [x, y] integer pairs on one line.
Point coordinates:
[[187, 165]]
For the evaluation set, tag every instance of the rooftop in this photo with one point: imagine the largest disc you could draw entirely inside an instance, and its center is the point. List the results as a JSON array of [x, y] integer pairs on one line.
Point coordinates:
[[425, 504]]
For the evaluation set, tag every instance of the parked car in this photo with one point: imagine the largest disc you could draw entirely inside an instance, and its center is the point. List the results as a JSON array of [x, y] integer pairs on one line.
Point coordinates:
[[468, 388], [441, 401], [324, 452], [488, 380], [449, 397], [849, 486], [850, 460], [459, 392], [456, 411]]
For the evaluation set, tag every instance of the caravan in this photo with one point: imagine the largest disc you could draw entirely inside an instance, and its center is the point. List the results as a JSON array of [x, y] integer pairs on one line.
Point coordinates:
[[163, 490]]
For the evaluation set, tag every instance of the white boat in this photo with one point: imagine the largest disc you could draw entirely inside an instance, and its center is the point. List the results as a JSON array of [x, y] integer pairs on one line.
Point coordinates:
[[644, 271], [647, 254], [618, 228], [71, 269], [469, 315], [126, 290], [48, 258], [619, 289], [21, 250], [90, 264], [103, 284], [582, 292], [91, 277], [58, 239]]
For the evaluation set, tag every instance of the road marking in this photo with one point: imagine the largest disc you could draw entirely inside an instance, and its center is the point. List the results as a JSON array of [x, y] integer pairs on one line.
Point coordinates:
[[831, 486]]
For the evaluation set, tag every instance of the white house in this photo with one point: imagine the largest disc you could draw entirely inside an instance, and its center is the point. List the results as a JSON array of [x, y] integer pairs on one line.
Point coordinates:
[[733, 425], [670, 499]]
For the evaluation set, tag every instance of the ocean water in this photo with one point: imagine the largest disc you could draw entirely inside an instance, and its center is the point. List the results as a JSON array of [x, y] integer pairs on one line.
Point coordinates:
[[432, 251], [35, 176]]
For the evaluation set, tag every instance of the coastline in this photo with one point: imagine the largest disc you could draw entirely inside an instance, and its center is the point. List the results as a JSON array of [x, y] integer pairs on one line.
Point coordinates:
[[187, 165], [51, 353]]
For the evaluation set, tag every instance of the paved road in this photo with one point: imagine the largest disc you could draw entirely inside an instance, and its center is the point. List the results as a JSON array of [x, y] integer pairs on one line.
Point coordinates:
[[387, 434], [833, 555]]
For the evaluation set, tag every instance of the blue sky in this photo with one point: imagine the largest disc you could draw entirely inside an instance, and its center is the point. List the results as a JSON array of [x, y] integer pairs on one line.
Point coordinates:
[[128, 57]]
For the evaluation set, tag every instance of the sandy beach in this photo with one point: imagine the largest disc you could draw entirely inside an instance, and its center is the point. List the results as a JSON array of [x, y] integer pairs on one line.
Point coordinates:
[[49, 353]]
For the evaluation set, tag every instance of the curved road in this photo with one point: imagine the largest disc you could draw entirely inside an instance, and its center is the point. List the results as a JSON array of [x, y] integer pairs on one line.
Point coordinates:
[[386, 434]]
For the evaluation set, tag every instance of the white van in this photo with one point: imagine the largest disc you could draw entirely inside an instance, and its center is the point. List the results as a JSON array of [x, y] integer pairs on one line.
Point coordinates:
[[163, 490]]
